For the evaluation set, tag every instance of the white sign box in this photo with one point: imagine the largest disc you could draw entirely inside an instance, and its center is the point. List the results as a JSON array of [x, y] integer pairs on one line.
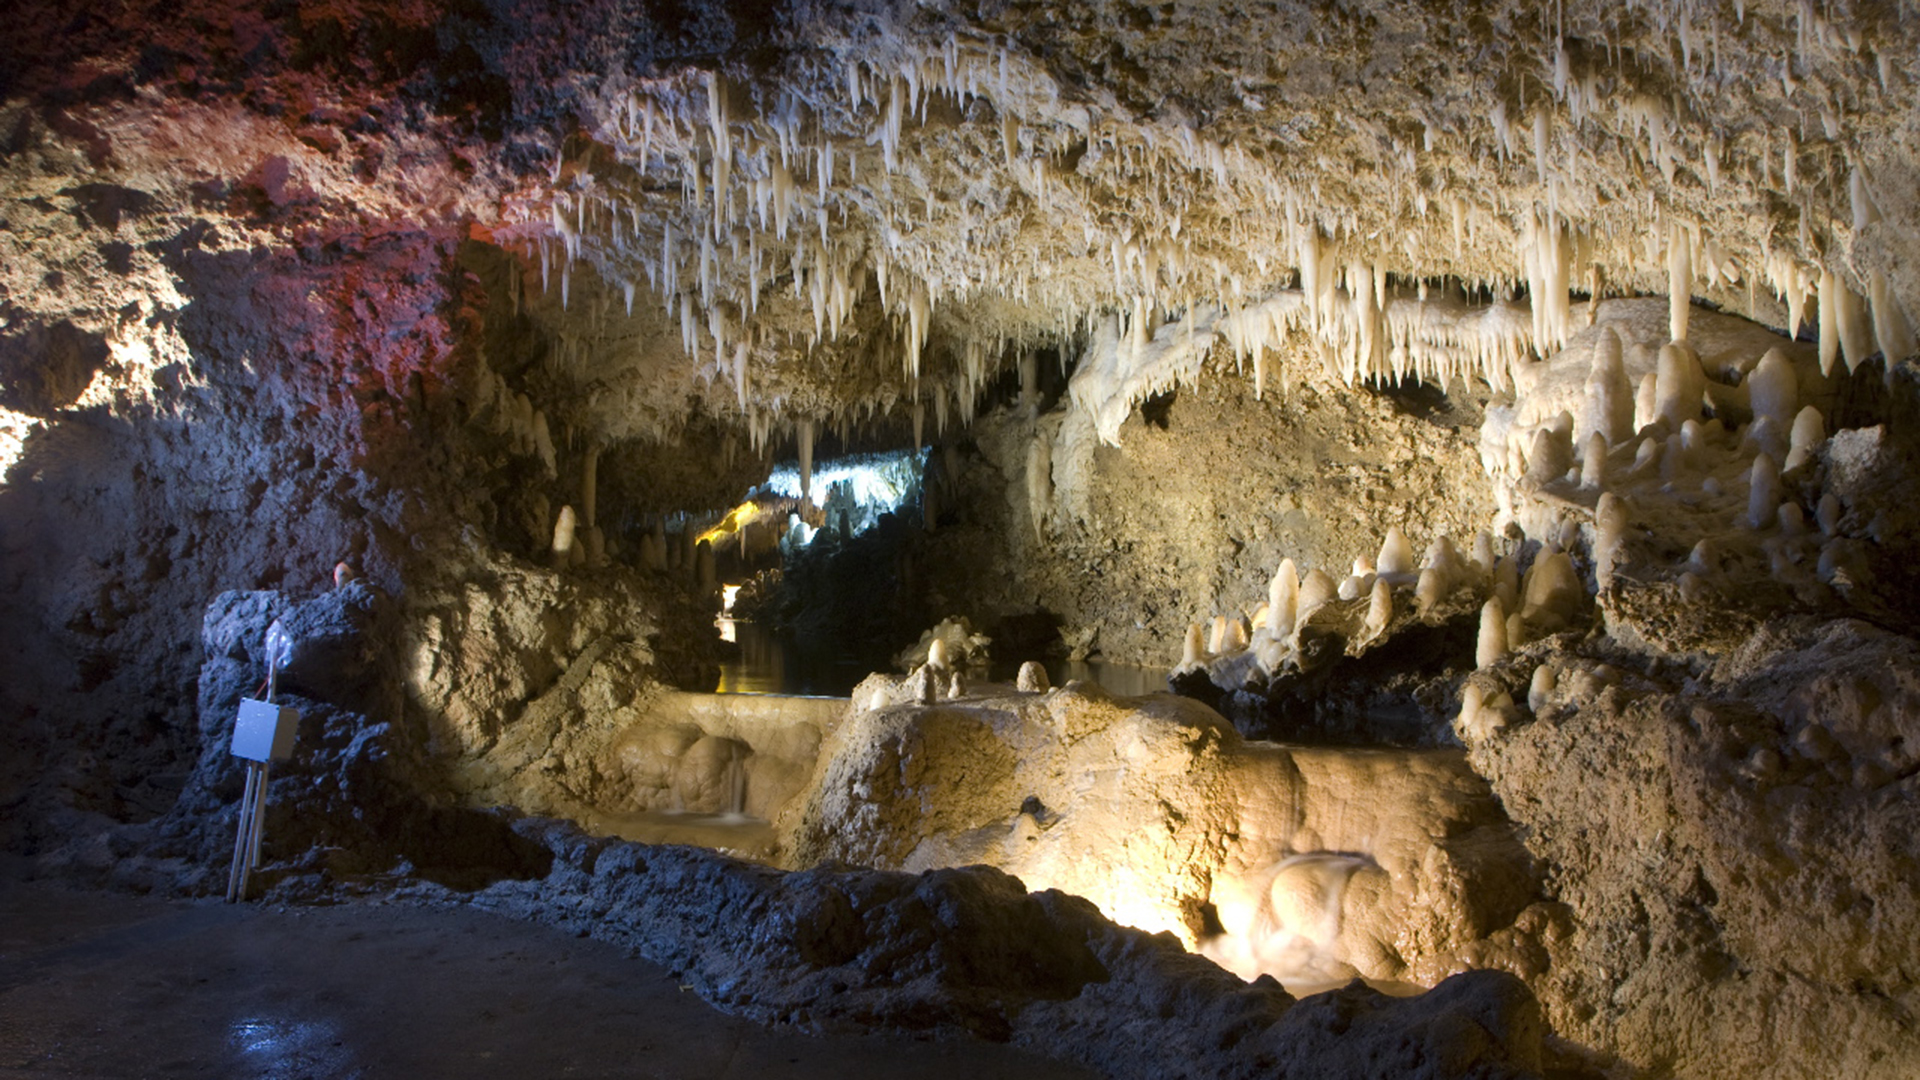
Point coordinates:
[[264, 732]]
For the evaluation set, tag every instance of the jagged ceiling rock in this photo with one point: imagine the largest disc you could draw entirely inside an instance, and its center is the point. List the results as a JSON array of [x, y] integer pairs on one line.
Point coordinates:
[[887, 204], [860, 211]]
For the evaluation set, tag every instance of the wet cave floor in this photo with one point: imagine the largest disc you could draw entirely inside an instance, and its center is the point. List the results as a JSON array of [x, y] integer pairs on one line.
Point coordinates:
[[113, 985]]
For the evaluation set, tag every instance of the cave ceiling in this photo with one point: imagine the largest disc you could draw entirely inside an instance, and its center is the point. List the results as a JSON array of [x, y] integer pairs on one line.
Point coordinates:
[[862, 214]]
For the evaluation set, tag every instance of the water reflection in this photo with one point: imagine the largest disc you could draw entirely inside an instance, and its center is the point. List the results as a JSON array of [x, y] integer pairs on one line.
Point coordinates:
[[1122, 680], [774, 663], [739, 835], [283, 1047]]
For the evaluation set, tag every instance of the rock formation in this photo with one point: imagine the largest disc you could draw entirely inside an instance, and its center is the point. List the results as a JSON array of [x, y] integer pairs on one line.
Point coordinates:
[[498, 350]]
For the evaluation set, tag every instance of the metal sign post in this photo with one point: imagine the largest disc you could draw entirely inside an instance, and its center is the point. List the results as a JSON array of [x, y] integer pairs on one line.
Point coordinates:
[[262, 734]]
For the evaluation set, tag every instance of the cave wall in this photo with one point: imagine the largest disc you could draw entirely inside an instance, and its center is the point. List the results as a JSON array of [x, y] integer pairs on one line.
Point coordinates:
[[1189, 516], [248, 430], [241, 340]]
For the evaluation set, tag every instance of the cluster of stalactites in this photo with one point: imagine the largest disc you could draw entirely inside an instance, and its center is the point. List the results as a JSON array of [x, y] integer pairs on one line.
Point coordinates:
[[810, 184], [1361, 326]]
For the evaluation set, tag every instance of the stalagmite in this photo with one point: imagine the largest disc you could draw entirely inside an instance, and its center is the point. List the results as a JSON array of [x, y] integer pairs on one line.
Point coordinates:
[[1593, 462], [1379, 610], [1679, 282], [922, 687], [1609, 537], [1705, 557], [1827, 514], [1516, 631], [1685, 451], [1491, 647], [1316, 591], [1646, 401], [1773, 389], [1443, 558], [1554, 596], [937, 655], [1506, 582], [1032, 678], [1395, 562], [1646, 456], [1358, 582], [1609, 405], [1430, 591], [1540, 689], [1482, 715], [654, 552], [1193, 655], [563, 538], [1809, 433], [1763, 498], [1679, 385], [1792, 520], [1567, 536], [1483, 554], [1763, 436], [1283, 600], [1551, 455]]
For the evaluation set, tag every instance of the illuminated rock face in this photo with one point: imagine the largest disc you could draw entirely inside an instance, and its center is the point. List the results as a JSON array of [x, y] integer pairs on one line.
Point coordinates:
[[1311, 865], [280, 294]]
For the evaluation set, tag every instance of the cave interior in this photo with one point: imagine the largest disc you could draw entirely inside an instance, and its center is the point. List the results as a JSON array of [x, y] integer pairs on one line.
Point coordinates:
[[1368, 538]]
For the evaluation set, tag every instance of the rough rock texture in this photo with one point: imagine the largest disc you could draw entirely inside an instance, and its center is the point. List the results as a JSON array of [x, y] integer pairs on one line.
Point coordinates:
[[955, 953], [970, 950], [1187, 517], [1734, 841], [1204, 835]]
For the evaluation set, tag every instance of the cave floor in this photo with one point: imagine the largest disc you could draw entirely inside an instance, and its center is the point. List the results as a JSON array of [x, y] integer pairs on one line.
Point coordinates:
[[112, 985]]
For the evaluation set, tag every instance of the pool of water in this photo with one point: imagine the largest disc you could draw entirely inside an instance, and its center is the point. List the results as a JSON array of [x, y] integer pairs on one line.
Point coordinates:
[[776, 663], [737, 834]]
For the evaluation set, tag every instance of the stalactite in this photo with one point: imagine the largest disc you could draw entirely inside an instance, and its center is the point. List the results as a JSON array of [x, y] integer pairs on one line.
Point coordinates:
[[803, 434]]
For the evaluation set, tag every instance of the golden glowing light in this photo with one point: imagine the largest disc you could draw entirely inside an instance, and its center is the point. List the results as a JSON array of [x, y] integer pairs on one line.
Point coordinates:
[[737, 518]]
